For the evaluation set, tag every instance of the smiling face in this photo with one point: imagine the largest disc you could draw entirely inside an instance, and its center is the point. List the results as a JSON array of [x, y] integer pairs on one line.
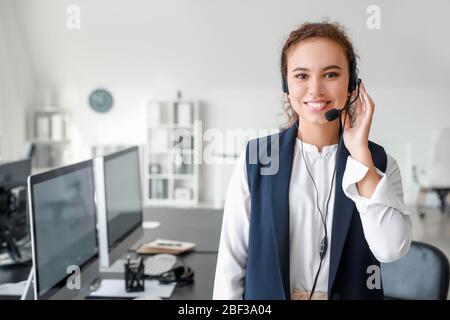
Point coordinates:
[[318, 77]]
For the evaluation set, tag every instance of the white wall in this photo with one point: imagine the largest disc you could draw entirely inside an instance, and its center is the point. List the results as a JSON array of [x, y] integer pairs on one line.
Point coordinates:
[[226, 53], [16, 84]]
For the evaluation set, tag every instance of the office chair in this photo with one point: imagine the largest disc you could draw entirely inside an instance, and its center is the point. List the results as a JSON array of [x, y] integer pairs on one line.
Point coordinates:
[[30, 149], [422, 274], [436, 176]]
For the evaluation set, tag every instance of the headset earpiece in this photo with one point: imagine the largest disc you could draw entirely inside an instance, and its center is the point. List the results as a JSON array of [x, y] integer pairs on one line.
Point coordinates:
[[354, 80], [284, 84]]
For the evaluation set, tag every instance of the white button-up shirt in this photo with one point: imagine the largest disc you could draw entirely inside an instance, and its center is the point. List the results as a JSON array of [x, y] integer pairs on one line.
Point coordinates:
[[385, 220]]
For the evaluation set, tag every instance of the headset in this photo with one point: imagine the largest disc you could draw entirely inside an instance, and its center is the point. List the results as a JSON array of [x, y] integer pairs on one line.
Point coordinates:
[[330, 115], [181, 275]]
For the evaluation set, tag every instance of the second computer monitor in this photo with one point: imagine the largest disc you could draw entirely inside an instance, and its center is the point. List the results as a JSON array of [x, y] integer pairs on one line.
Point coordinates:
[[119, 201], [64, 240]]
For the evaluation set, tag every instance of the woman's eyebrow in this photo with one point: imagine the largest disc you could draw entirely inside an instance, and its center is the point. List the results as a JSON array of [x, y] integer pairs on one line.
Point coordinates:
[[323, 69]]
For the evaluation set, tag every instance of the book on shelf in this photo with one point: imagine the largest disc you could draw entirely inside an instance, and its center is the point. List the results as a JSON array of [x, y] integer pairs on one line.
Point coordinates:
[[42, 130], [165, 246], [57, 127]]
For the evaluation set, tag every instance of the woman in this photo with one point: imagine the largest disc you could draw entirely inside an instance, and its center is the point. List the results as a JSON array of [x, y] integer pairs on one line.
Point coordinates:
[[318, 227]]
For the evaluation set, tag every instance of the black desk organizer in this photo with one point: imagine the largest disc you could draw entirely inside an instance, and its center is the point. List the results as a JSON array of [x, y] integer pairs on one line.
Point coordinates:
[[134, 275]]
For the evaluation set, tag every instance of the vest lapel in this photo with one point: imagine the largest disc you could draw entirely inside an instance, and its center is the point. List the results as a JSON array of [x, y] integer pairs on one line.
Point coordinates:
[[342, 216], [279, 185]]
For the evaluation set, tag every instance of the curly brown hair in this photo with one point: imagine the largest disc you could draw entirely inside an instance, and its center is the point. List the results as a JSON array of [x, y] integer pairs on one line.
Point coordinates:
[[325, 29]]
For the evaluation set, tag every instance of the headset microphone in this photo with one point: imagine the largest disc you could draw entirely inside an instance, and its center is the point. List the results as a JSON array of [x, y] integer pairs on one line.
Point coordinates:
[[333, 114]]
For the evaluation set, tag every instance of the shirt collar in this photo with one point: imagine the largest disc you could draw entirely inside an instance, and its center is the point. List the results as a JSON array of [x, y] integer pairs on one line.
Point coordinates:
[[312, 149]]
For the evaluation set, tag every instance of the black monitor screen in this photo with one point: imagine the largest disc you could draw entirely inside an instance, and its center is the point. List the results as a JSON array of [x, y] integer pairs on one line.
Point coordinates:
[[123, 194], [64, 220], [14, 174]]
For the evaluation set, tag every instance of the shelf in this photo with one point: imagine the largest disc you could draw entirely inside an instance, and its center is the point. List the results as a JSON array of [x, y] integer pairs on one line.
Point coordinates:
[[49, 110], [158, 175], [49, 129], [162, 128], [43, 141], [183, 176]]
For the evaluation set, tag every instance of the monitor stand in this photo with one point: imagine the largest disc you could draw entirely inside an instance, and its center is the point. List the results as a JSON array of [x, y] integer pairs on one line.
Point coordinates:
[[116, 267], [28, 292]]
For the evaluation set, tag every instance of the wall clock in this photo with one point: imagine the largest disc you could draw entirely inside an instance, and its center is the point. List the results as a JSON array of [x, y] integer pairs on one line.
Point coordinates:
[[101, 100]]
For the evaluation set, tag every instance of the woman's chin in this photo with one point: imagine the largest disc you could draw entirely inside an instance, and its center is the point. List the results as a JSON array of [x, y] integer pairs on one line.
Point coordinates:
[[315, 118]]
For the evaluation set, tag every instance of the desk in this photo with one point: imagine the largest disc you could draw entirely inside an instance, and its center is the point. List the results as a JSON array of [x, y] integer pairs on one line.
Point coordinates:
[[13, 274], [204, 266], [199, 226]]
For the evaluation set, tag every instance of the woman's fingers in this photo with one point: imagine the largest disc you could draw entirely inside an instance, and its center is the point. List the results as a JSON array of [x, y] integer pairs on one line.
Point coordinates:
[[368, 105], [345, 120]]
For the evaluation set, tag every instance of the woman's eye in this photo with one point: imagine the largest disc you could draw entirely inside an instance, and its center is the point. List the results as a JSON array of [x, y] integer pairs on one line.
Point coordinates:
[[331, 75], [301, 76]]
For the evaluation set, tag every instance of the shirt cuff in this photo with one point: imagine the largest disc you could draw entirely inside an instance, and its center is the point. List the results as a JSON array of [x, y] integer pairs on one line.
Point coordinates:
[[355, 171]]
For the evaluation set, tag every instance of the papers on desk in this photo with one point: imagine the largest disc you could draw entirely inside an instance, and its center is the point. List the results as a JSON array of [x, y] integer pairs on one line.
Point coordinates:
[[150, 224], [165, 246], [12, 289], [115, 288]]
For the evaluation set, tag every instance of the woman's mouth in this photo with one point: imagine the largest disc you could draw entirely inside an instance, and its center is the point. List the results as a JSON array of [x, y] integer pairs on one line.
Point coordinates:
[[317, 106]]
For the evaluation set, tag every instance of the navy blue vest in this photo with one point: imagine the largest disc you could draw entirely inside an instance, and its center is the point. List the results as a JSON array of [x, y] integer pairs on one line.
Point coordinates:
[[267, 274]]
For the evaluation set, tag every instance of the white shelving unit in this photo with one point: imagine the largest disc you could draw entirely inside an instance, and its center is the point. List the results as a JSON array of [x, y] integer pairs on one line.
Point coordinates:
[[171, 164], [49, 130]]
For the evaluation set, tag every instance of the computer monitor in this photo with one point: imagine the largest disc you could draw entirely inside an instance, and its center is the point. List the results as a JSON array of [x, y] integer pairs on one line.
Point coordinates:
[[63, 231], [119, 204], [14, 227]]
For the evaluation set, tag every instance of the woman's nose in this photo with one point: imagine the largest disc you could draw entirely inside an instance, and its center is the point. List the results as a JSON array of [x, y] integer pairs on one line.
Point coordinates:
[[315, 86]]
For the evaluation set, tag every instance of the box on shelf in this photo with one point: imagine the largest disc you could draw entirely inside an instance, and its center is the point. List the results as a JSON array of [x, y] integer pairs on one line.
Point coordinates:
[[183, 194], [183, 113], [158, 189], [154, 168]]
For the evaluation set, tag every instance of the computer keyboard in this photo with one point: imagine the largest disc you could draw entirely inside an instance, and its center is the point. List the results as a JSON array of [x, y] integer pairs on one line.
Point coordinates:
[[159, 264]]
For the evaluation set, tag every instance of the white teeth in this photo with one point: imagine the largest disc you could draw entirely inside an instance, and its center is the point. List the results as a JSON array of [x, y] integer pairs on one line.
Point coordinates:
[[316, 105]]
